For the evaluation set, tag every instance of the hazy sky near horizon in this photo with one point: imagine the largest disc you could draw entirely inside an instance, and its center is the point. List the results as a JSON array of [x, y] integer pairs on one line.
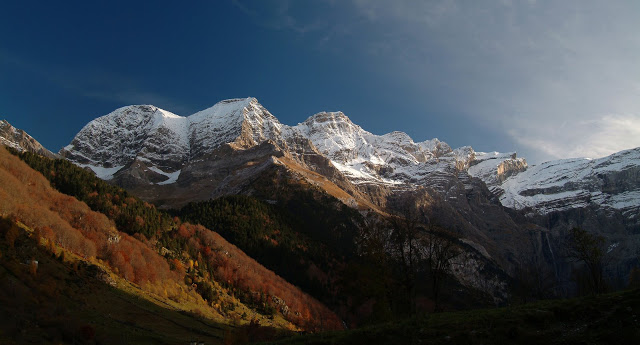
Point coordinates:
[[548, 79]]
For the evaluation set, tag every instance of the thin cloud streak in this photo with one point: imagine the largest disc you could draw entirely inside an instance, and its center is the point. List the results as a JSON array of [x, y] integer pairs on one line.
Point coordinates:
[[98, 85], [134, 97], [278, 15]]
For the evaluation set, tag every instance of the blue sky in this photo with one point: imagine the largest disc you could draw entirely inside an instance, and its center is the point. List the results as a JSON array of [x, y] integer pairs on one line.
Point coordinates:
[[548, 79]]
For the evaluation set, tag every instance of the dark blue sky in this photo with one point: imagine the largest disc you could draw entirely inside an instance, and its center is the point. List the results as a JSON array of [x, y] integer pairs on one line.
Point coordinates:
[[546, 80]]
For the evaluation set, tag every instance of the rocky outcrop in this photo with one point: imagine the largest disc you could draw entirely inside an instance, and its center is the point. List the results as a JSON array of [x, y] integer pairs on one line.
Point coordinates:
[[494, 168], [21, 141]]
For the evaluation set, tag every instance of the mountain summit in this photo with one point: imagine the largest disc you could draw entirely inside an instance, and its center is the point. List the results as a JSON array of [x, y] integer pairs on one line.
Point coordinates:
[[148, 147], [165, 141]]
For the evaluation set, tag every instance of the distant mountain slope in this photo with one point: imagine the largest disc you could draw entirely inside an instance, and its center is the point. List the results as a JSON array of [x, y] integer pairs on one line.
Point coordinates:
[[611, 182], [21, 141], [600, 195]]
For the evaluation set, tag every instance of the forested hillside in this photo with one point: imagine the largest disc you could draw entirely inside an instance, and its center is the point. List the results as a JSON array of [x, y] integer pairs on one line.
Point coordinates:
[[303, 239], [161, 250]]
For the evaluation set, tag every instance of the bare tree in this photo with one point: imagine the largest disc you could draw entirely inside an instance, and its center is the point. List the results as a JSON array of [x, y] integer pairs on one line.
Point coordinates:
[[421, 247], [405, 246], [404, 239], [441, 250], [590, 250]]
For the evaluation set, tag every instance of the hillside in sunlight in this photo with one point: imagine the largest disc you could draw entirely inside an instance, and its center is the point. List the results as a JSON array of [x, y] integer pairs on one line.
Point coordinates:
[[178, 266], [52, 296]]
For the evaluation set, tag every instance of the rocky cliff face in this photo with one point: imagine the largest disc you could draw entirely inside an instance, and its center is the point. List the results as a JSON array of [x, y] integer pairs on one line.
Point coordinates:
[[611, 182], [494, 168], [171, 160], [20, 140], [601, 196]]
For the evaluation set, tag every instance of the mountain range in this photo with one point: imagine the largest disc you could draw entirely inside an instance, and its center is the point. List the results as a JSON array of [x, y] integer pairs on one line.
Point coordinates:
[[145, 145], [511, 214]]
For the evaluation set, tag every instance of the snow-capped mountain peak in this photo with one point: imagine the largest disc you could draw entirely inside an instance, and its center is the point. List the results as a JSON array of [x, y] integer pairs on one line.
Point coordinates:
[[126, 131], [334, 135], [164, 141], [156, 146], [242, 121]]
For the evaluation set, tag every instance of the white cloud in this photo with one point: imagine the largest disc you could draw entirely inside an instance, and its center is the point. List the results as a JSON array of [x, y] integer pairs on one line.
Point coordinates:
[[521, 68], [592, 138], [526, 68]]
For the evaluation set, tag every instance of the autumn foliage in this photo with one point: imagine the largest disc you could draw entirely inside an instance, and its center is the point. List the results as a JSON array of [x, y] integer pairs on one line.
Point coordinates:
[[252, 282], [25, 195], [60, 219]]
